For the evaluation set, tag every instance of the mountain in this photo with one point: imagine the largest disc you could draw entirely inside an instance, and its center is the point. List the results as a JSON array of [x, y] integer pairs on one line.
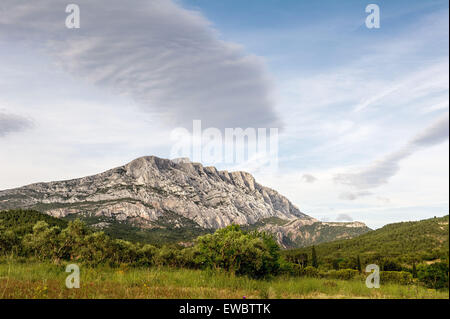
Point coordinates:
[[405, 243], [154, 199]]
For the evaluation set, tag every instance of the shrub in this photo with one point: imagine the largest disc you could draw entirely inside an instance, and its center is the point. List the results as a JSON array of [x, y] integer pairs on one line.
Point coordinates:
[[344, 274], [310, 271], [390, 265], [434, 275], [397, 277], [146, 255], [254, 254]]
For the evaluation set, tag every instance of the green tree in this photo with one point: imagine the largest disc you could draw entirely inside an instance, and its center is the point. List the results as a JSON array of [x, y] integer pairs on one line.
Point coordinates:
[[414, 270], [254, 254], [314, 258], [434, 275], [44, 242], [358, 263]]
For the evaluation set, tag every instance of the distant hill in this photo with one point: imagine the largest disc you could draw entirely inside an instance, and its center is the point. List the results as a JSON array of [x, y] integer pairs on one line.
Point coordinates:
[[302, 233], [403, 242]]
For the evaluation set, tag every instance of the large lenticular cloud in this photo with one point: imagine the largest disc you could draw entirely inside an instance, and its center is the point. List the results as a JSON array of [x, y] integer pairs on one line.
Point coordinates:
[[166, 58]]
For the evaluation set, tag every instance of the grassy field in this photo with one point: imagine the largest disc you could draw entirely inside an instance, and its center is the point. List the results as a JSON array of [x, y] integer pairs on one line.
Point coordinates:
[[39, 280]]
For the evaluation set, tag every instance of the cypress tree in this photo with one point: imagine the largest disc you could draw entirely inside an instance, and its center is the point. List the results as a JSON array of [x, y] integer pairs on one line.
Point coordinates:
[[358, 264], [314, 257]]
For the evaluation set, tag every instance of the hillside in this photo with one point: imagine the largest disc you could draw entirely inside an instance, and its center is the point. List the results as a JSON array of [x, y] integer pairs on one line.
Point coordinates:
[[158, 200], [302, 233], [22, 221], [404, 243]]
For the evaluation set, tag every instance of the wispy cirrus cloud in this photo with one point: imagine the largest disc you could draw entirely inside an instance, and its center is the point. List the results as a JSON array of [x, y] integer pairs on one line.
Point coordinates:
[[380, 171], [168, 59]]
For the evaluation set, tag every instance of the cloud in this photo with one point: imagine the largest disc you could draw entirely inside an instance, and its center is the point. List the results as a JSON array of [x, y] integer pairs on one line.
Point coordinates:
[[344, 218], [308, 178], [434, 134], [353, 196], [430, 83], [382, 170], [168, 59], [11, 123]]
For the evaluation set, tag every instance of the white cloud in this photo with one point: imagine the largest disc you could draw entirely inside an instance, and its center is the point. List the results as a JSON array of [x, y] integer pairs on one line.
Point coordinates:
[[353, 195], [382, 170], [166, 58], [344, 218], [11, 123], [308, 178]]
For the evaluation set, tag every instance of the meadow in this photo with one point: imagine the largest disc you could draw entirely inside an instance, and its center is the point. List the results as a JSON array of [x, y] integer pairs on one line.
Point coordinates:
[[27, 279]]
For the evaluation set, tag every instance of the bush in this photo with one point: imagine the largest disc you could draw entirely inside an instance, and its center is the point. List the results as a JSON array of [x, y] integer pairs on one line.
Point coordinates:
[[396, 277], [146, 255], [344, 274], [434, 275], [310, 271], [390, 265], [254, 254]]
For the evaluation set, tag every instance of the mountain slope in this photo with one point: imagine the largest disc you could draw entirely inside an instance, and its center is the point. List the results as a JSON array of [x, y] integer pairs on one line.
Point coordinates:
[[155, 195], [405, 242], [22, 221]]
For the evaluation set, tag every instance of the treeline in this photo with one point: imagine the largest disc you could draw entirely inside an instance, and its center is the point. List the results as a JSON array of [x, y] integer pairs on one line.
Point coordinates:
[[30, 234], [433, 275]]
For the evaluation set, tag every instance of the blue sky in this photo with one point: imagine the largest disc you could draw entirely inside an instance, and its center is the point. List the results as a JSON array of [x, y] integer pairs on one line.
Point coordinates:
[[364, 112]]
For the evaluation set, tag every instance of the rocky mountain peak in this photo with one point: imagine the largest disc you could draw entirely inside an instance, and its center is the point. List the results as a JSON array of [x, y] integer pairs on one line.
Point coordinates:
[[152, 192]]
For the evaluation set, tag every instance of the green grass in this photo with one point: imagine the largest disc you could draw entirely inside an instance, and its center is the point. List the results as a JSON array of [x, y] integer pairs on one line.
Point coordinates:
[[41, 280]]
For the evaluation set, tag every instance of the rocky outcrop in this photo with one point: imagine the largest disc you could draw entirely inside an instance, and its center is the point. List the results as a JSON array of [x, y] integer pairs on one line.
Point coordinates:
[[150, 189]]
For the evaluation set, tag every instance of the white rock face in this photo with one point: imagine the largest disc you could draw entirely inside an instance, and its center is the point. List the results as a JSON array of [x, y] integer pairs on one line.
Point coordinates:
[[149, 187], [150, 191]]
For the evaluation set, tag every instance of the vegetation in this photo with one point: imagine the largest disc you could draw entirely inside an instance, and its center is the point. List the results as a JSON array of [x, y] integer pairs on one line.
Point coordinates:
[[434, 275], [164, 231], [394, 247], [253, 254], [22, 221], [28, 279], [244, 253], [226, 264]]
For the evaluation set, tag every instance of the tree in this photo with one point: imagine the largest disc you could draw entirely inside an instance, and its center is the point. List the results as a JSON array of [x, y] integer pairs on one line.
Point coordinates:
[[434, 275], [297, 258], [255, 254], [390, 265], [358, 264], [314, 258], [414, 270], [44, 242], [335, 263]]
